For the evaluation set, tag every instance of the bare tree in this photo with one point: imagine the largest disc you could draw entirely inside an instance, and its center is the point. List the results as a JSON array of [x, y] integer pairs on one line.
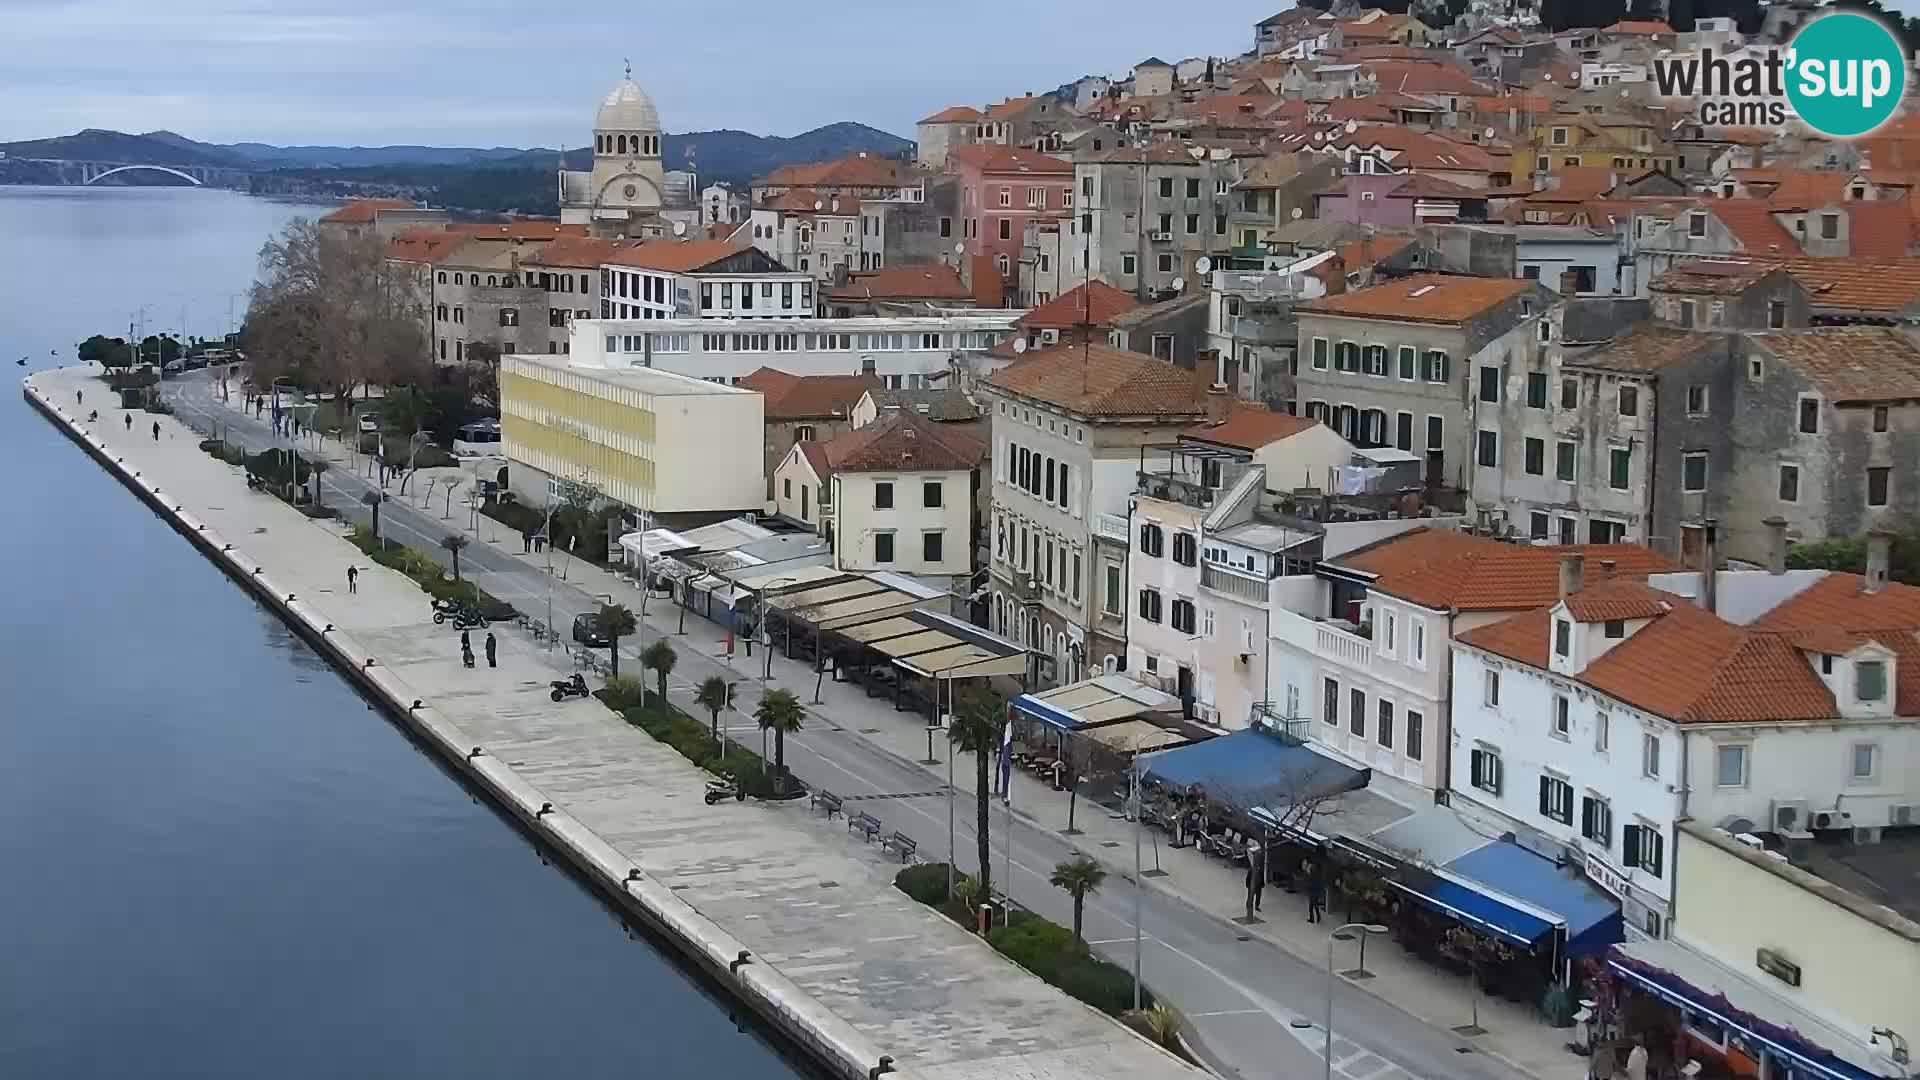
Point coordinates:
[[329, 310]]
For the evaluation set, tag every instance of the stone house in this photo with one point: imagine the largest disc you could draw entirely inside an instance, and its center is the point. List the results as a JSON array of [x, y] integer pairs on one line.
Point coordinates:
[[804, 408], [1717, 295], [1276, 189], [1147, 215], [1173, 330]]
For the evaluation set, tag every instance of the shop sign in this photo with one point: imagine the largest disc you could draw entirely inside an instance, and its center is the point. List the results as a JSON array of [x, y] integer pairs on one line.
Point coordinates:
[[1604, 875]]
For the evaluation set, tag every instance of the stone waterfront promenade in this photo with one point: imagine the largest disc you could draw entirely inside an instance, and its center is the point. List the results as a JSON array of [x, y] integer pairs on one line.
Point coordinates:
[[835, 956]]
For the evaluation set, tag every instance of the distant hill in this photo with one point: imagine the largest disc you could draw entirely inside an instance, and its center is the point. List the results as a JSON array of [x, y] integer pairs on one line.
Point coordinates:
[[96, 144]]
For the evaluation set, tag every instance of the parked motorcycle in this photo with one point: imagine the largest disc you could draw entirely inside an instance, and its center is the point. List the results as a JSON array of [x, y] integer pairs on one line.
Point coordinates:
[[566, 688], [724, 788], [445, 607]]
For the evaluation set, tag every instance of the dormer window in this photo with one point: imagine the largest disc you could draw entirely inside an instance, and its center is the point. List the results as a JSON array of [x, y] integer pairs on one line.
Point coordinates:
[[1870, 680], [1616, 628], [1562, 638]]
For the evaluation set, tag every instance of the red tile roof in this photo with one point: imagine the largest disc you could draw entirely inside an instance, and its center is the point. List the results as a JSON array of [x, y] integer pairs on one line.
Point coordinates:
[[674, 256], [903, 441], [1432, 298], [1851, 363], [1889, 616], [525, 229], [1445, 569], [989, 287], [809, 201], [808, 397], [859, 170], [1249, 426], [906, 281], [1646, 348], [1094, 303], [575, 252], [1752, 223], [1098, 380], [423, 244], [363, 211], [954, 114], [1010, 107], [994, 158], [1644, 27]]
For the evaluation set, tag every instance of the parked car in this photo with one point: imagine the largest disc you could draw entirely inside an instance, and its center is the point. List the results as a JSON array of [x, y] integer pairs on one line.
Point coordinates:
[[177, 364], [586, 630], [369, 424]]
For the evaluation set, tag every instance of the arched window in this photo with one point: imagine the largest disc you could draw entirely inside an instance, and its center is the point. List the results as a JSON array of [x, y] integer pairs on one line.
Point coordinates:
[[623, 144]]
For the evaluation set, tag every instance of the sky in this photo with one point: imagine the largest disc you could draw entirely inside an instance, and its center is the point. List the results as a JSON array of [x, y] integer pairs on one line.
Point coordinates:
[[514, 73]]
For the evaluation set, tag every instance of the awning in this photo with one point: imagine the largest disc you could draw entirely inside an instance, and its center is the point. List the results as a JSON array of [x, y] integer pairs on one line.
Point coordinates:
[[774, 580], [1252, 768], [1135, 737], [1111, 697], [963, 651], [1747, 1009]]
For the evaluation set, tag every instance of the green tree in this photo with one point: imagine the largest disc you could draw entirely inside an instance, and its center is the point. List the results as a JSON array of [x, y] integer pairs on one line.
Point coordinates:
[[108, 352], [1079, 876], [616, 622], [455, 543], [1848, 554], [976, 727], [715, 695], [779, 712], [315, 466], [660, 659], [373, 499]]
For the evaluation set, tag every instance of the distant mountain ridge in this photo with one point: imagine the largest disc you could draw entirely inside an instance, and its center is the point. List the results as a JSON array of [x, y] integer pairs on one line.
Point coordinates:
[[723, 154]]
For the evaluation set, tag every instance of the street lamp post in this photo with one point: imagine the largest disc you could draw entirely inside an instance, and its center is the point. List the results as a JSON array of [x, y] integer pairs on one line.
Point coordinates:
[[1340, 934]]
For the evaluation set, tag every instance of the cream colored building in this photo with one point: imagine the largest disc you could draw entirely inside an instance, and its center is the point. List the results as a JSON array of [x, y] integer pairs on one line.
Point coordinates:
[[670, 448], [624, 192]]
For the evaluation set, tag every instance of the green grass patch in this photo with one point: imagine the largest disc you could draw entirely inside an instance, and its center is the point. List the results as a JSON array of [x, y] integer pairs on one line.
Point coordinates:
[[642, 708], [430, 575]]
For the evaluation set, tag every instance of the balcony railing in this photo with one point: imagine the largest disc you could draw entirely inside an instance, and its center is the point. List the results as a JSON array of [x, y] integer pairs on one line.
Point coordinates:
[[1350, 649], [1111, 527], [1232, 584]]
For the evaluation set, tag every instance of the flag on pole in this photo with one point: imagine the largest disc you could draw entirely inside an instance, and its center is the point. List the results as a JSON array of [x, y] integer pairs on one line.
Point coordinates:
[[1006, 757]]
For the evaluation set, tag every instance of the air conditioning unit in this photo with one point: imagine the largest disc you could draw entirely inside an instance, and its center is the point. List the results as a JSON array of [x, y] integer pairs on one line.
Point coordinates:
[[1160, 237], [1750, 840], [1825, 820], [1789, 815], [1900, 814], [1867, 835]]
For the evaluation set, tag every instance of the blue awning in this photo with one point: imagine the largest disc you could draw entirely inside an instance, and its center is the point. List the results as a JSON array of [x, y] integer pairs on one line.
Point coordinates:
[[1592, 918], [1033, 708], [1252, 768], [1489, 913]]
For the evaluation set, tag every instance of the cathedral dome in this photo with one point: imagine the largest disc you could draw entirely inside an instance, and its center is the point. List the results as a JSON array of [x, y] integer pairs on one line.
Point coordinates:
[[627, 108]]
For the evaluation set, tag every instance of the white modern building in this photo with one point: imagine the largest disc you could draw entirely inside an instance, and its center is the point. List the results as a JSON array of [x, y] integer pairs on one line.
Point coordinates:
[[905, 352], [710, 279], [1771, 704]]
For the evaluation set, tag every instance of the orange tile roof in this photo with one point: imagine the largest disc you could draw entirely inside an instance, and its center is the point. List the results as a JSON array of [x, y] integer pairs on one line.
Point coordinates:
[[362, 211], [859, 170], [577, 251], [1094, 304], [1618, 598], [525, 229], [1365, 254], [1423, 78], [808, 397], [1445, 569], [1249, 426], [1889, 287], [1880, 228], [1010, 107], [809, 201], [1851, 363], [989, 287], [994, 158], [904, 281], [1099, 380], [903, 441], [423, 244], [1432, 298], [1716, 277], [954, 114], [1889, 616], [1646, 348], [1752, 223], [674, 256], [1645, 27]]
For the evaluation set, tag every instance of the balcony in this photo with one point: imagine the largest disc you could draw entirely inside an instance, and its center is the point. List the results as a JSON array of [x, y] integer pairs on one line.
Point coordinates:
[[1228, 583], [1111, 527], [1326, 640]]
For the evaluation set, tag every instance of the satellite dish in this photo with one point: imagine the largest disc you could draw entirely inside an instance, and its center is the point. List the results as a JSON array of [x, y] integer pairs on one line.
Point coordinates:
[[679, 228], [960, 249], [1179, 284], [1196, 152], [819, 205], [1203, 265], [1221, 153], [1019, 346], [1296, 213], [1353, 126], [1490, 133]]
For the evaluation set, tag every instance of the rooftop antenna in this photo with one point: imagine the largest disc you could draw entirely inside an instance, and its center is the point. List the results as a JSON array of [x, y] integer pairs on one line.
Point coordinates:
[[629, 64]]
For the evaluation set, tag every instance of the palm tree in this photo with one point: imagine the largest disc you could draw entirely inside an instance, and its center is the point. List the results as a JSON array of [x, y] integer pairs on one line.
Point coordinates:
[[715, 694], [616, 622], [316, 466], [455, 543], [373, 499], [780, 713], [976, 728], [659, 658], [1079, 876], [1161, 1023]]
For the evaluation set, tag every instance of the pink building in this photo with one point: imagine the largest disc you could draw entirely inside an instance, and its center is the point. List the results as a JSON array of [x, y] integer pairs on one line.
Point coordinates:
[[1399, 201], [1002, 188]]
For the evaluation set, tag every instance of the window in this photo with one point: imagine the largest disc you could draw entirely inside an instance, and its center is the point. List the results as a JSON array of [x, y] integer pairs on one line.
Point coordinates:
[[1596, 820], [1437, 368], [1776, 314], [1403, 430], [1879, 418], [1809, 416], [1696, 225], [930, 493], [1357, 712], [1419, 655], [1569, 393], [1186, 549], [1619, 467], [1534, 452], [1789, 483], [1150, 605], [1488, 448], [1415, 725], [1166, 187], [931, 545], [1641, 845], [1112, 600], [1562, 715], [1006, 196], [1614, 629], [1484, 769], [1126, 264], [1536, 389], [1537, 525], [1602, 730], [1565, 456], [1385, 730], [1490, 690], [1877, 478], [1320, 354], [1730, 765], [883, 495], [1556, 799], [1409, 362], [1373, 360], [1829, 226], [1650, 755], [1629, 401], [1193, 224], [1180, 616], [1152, 540], [1490, 384], [1870, 680], [1693, 471], [946, 227], [883, 547], [1436, 433], [1331, 711], [1865, 761], [1559, 136], [1696, 400], [1164, 263]]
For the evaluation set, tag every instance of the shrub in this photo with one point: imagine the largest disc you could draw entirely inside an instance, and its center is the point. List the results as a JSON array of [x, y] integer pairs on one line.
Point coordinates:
[[688, 736], [1104, 986], [214, 446], [623, 693], [158, 406], [925, 882], [1041, 947]]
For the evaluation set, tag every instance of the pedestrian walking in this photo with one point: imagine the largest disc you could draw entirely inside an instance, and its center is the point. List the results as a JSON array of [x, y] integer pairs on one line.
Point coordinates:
[[353, 579], [93, 415], [79, 396], [466, 643], [466, 653], [1316, 893], [526, 541], [156, 431], [1256, 872], [129, 421], [490, 659]]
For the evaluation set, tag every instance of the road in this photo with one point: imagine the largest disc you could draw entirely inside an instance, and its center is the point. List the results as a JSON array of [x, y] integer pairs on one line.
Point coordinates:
[[1253, 1010]]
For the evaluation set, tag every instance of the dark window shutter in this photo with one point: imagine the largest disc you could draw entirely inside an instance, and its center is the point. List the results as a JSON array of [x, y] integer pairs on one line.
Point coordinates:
[[1586, 817], [1630, 845], [1544, 786]]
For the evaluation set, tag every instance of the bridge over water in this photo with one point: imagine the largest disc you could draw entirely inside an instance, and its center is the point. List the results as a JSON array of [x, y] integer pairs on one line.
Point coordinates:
[[89, 172]]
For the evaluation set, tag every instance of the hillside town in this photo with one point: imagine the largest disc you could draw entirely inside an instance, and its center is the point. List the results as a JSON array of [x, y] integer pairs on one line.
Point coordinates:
[[1418, 450]]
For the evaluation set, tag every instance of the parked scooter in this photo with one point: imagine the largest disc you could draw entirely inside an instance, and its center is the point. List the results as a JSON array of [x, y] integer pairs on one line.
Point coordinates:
[[444, 608], [724, 788], [469, 619], [566, 688]]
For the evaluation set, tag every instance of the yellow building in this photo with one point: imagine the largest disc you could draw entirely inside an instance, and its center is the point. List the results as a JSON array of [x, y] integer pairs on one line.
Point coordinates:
[[1564, 140], [656, 442]]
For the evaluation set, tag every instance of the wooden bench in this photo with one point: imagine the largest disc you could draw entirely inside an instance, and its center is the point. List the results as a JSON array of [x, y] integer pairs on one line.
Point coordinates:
[[828, 799], [866, 824], [901, 843]]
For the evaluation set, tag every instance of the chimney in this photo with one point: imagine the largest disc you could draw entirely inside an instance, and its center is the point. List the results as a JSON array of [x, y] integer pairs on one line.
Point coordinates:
[[1573, 567], [1879, 552], [1607, 567], [1219, 403], [1776, 544], [1710, 565], [1569, 283]]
